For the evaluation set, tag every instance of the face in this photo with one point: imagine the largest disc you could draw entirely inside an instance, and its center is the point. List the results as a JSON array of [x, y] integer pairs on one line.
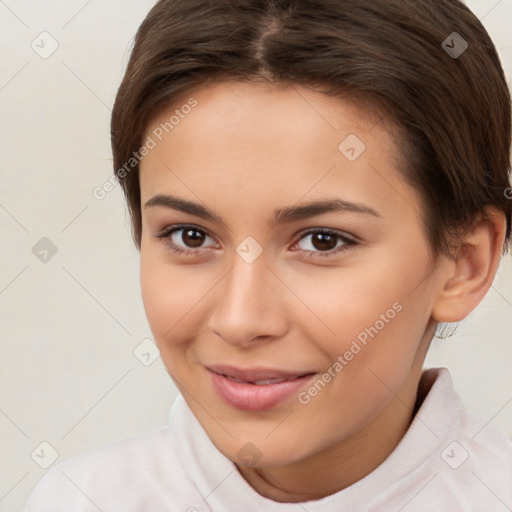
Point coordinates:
[[256, 284]]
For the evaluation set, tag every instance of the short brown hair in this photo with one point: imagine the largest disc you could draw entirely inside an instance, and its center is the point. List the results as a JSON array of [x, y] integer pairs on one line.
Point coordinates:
[[453, 111]]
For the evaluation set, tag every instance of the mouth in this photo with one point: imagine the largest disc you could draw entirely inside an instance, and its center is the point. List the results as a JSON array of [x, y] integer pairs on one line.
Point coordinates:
[[256, 389]]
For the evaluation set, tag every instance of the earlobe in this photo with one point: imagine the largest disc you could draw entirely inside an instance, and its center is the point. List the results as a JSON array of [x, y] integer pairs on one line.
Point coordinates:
[[473, 270]]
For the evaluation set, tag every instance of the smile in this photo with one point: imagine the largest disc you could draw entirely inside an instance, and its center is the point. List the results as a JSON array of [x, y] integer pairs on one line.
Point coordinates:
[[256, 390]]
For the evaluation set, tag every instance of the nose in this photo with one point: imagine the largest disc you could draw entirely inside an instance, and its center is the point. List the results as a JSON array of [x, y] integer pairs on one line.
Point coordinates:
[[249, 304]]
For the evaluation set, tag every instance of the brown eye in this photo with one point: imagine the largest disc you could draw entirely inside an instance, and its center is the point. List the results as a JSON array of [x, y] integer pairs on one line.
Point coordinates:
[[323, 242], [192, 237], [187, 240]]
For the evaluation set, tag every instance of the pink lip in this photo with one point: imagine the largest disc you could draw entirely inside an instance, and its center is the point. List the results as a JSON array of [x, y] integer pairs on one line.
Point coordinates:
[[254, 397]]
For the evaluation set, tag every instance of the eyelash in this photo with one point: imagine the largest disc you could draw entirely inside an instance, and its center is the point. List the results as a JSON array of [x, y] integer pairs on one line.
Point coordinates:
[[165, 235]]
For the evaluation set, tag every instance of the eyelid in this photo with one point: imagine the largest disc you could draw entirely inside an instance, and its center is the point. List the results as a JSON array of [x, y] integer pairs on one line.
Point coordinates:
[[349, 240], [341, 234], [169, 230], [348, 243]]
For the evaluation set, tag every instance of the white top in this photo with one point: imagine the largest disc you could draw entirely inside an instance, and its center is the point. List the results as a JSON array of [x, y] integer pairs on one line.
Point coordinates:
[[448, 461]]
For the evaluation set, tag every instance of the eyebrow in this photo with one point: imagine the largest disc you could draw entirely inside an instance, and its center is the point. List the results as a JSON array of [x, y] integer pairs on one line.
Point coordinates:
[[281, 215]]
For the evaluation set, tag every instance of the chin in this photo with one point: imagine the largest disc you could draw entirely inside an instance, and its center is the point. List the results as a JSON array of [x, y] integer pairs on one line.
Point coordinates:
[[257, 452]]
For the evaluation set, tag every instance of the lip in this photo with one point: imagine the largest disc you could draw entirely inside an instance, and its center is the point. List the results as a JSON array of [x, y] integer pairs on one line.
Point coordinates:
[[256, 397]]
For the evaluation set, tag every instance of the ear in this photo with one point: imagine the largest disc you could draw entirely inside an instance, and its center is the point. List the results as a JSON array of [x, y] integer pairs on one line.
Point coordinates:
[[471, 273]]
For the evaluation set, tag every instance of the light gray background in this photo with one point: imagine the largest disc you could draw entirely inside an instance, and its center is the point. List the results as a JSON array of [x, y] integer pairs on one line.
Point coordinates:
[[69, 326]]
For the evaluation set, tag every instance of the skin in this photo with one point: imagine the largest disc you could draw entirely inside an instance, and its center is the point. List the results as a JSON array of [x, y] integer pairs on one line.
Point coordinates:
[[243, 151]]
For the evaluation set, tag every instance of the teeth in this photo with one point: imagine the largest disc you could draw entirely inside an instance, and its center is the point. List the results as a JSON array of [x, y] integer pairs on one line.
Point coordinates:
[[235, 379], [268, 381], [257, 382]]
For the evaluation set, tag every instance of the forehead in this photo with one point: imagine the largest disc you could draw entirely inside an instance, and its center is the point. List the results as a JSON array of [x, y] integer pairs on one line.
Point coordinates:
[[277, 104], [272, 141]]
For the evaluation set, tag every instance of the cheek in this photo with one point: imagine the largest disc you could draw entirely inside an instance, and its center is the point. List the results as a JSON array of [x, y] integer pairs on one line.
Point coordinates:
[[368, 317], [172, 297], [339, 304], [166, 299], [371, 355]]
